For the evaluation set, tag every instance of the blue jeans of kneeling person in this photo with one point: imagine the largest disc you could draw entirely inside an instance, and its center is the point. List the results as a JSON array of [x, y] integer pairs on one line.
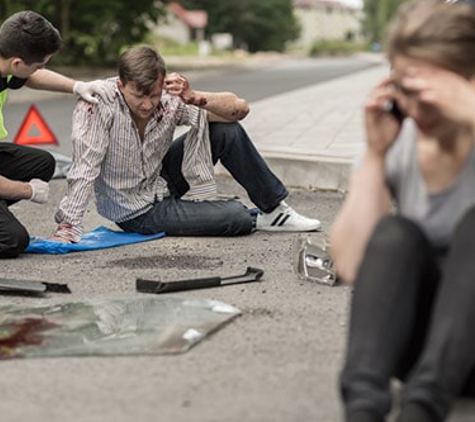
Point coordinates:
[[231, 145], [412, 317]]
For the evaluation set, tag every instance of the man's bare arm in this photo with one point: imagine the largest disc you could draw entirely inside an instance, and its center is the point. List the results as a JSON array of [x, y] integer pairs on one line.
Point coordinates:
[[221, 106], [47, 80], [14, 190], [36, 190]]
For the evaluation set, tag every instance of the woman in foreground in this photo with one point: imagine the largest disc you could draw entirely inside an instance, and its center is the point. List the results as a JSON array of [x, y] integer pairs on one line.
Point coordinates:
[[405, 235]]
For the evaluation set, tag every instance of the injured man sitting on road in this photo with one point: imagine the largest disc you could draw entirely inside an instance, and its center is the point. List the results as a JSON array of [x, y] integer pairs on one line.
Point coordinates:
[[146, 182]]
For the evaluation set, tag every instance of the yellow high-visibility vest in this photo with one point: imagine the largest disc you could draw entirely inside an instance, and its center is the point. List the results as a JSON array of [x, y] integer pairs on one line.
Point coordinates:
[[3, 100]]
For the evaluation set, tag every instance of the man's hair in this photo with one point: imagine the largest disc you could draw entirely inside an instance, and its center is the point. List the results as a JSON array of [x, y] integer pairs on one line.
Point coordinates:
[[29, 36], [435, 31], [142, 65]]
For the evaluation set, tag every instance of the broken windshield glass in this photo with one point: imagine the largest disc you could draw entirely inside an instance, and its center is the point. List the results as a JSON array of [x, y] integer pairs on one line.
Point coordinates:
[[118, 326]]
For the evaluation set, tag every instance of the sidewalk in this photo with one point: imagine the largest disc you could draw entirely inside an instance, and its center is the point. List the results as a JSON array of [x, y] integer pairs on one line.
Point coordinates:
[[310, 136]]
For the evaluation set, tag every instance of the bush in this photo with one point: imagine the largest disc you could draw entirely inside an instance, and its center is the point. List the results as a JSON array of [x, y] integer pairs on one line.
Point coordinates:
[[168, 47], [335, 48]]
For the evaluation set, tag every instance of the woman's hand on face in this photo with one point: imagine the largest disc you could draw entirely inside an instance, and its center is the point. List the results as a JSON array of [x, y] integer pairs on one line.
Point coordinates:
[[382, 127], [449, 93]]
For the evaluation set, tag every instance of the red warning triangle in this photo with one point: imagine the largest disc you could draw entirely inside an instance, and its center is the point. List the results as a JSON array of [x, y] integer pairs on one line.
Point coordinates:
[[34, 130]]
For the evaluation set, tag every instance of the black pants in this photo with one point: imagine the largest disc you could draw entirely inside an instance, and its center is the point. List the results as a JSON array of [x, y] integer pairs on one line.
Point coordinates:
[[19, 163], [412, 317]]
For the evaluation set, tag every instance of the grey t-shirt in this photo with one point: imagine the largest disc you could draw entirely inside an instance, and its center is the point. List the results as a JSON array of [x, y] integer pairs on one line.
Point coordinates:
[[436, 213]]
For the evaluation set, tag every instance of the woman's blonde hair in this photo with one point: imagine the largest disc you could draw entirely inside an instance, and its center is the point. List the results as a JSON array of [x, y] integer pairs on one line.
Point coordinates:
[[436, 31]]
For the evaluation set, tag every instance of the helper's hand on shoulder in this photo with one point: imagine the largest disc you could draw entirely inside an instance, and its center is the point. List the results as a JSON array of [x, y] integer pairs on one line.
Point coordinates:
[[86, 90], [39, 191]]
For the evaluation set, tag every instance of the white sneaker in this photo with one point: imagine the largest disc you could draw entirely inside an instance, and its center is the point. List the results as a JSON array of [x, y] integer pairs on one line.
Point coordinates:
[[285, 219]]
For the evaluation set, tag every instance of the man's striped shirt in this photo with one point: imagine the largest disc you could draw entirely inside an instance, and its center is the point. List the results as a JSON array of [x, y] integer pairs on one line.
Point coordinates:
[[109, 156]]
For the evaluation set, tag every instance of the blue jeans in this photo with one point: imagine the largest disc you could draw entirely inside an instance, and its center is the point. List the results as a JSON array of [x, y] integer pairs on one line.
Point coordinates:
[[412, 317], [177, 217]]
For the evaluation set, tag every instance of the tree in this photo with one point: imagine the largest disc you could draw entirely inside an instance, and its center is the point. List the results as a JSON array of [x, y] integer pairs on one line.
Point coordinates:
[[378, 13], [102, 36], [92, 35], [256, 24]]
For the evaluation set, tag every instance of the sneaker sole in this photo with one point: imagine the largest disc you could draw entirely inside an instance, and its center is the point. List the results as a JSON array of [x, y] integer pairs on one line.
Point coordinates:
[[289, 229]]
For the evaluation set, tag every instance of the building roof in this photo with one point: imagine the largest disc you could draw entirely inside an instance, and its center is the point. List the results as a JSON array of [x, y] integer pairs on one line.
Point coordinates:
[[197, 19], [319, 4]]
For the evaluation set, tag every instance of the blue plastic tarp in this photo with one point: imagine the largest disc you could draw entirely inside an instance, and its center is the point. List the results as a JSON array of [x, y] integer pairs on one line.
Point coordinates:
[[99, 238]]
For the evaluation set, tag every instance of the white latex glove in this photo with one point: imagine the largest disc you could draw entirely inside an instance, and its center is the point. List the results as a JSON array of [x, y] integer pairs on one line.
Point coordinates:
[[40, 191], [87, 89]]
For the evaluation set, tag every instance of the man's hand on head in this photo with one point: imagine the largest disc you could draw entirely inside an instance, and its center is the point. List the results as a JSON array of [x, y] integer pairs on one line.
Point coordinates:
[[176, 84]]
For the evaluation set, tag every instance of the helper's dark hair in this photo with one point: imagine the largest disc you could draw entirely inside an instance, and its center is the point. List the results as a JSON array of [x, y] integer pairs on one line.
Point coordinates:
[[30, 36]]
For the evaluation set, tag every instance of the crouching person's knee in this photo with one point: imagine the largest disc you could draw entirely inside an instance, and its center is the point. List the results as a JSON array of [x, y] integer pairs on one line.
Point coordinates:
[[14, 239]]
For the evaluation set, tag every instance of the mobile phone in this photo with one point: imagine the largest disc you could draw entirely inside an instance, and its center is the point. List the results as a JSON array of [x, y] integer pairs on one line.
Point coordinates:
[[392, 108]]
